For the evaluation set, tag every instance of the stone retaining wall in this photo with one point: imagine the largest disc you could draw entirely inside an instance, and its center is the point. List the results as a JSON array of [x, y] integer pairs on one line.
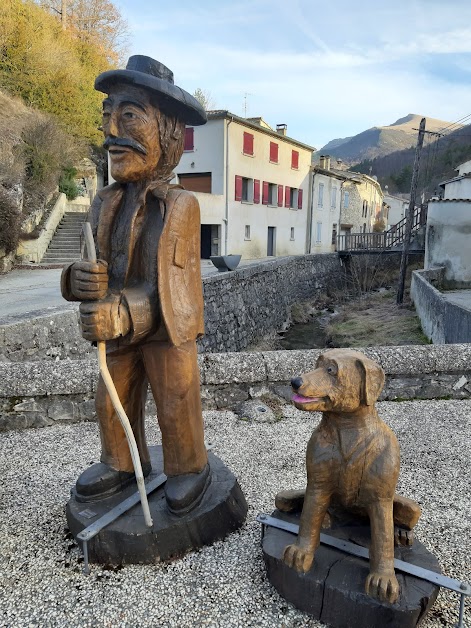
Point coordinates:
[[36, 394], [442, 322], [240, 307]]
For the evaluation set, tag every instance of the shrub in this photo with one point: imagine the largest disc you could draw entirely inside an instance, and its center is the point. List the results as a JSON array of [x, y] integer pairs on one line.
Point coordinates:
[[9, 221], [67, 183]]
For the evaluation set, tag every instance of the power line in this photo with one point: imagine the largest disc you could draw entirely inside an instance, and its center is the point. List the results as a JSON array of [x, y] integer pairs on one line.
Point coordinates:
[[455, 123]]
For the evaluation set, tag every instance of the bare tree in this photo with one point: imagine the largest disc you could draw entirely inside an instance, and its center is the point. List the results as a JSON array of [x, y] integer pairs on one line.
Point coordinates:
[[94, 21], [205, 98]]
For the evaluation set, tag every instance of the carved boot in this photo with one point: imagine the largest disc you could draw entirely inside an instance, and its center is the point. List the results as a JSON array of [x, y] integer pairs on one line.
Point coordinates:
[[184, 492], [100, 481]]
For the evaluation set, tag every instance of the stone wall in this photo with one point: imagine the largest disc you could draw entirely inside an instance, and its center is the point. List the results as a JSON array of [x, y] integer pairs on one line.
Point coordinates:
[[442, 322], [36, 394], [252, 301], [240, 307]]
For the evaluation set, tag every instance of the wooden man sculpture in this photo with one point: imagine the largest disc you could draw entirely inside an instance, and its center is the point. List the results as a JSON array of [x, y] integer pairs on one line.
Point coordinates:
[[144, 294], [352, 462]]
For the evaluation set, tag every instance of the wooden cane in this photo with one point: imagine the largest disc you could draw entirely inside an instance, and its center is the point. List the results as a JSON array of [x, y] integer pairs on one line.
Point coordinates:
[[105, 374]]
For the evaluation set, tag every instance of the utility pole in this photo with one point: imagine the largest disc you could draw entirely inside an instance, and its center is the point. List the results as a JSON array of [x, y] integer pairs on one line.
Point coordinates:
[[410, 213], [245, 103]]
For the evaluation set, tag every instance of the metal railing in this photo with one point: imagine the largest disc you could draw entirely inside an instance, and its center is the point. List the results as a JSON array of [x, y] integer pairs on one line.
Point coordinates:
[[394, 237]]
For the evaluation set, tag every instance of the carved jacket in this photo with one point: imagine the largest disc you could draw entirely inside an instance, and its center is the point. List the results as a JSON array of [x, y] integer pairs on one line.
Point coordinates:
[[179, 293]]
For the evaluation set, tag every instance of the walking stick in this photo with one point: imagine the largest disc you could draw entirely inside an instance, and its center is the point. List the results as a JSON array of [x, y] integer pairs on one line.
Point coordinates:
[[105, 374]]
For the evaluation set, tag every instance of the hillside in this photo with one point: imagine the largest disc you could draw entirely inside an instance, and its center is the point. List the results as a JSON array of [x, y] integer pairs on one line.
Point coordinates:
[[380, 141], [438, 163]]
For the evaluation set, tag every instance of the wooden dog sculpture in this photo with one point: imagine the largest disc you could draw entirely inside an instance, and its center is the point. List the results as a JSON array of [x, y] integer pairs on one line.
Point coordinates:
[[352, 462]]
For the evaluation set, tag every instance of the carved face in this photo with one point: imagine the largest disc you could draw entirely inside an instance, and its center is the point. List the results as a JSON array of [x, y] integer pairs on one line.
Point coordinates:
[[131, 130]]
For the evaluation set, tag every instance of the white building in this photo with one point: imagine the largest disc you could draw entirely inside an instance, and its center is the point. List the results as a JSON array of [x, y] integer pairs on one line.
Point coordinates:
[[252, 183], [398, 207], [327, 185], [448, 227]]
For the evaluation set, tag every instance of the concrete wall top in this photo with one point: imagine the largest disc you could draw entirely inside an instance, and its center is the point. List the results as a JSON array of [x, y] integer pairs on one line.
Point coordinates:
[[30, 379]]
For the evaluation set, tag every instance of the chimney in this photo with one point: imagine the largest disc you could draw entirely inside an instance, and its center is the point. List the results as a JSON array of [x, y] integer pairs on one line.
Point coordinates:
[[327, 162], [340, 165], [282, 129], [322, 161]]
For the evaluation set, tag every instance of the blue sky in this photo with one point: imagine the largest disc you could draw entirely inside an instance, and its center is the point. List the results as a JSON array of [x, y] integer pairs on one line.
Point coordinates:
[[326, 69]]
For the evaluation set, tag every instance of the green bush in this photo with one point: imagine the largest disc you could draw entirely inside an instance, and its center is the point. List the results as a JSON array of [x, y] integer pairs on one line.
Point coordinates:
[[68, 185], [9, 221]]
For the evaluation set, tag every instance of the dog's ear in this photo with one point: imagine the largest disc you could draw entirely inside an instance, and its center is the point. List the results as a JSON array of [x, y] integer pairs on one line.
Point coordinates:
[[372, 380]]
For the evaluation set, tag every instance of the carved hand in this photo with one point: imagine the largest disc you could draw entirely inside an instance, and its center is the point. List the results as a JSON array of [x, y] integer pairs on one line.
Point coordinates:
[[104, 320], [298, 557], [89, 280]]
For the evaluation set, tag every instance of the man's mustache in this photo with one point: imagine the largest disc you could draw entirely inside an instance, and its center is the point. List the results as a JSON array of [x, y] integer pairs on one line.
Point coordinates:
[[124, 141]]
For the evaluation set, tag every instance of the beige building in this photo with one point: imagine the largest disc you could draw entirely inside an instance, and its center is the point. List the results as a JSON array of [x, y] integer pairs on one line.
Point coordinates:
[[252, 183], [448, 226], [354, 202]]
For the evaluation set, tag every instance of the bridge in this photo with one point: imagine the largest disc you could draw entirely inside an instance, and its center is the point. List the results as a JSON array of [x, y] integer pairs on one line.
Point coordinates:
[[393, 239]]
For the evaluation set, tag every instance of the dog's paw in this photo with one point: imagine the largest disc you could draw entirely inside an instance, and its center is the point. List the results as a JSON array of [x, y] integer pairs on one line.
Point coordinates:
[[383, 586], [403, 537], [299, 558]]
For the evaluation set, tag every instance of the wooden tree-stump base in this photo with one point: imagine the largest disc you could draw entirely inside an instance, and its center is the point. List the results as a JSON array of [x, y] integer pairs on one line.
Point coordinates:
[[333, 591], [128, 540]]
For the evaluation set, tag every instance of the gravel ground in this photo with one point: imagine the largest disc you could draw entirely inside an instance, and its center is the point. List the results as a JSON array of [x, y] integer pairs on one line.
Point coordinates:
[[41, 583]]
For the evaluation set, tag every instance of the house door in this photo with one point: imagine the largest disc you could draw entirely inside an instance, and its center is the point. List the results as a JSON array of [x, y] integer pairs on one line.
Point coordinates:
[[205, 241], [271, 241]]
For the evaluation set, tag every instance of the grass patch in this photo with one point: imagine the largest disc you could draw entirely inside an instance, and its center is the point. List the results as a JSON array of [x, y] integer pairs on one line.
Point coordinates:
[[375, 320]]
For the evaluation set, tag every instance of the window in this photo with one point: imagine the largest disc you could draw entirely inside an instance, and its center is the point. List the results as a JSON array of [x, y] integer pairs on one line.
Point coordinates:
[[248, 144], [295, 159], [346, 200], [244, 189], [320, 197], [272, 194], [274, 152], [364, 212], [319, 233], [189, 139], [247, 232], [291, 197], [292, 233], [333, 198]]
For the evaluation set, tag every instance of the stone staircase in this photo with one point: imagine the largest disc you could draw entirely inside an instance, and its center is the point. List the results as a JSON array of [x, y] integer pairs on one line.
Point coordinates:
[[65, 243]]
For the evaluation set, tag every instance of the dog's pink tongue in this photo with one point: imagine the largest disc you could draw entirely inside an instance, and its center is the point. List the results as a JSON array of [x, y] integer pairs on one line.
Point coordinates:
[[301, 399]]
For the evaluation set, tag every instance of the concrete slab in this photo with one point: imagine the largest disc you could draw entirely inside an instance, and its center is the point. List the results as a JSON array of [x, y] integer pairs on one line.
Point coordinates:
[[459, 297]]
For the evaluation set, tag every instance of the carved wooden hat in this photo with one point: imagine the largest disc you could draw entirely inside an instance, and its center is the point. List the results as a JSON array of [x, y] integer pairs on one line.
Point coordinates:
[[154, 76]]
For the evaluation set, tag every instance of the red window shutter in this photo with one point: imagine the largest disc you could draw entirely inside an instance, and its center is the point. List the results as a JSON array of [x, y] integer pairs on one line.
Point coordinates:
[[287, 196], [238, 188], [248, 144], [189, 138], [274, 152], [300, 199], [256, 191], [295, 159], [265, 193], [280, 196]]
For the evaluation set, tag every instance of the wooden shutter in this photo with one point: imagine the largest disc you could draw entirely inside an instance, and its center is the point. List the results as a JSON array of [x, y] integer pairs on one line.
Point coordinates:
[[189, 138], [248, 144], [238, 188], [280, 196], [265, 193], [300, 199], [274, 152], [287, 196], [256, 190], [295, 159]]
